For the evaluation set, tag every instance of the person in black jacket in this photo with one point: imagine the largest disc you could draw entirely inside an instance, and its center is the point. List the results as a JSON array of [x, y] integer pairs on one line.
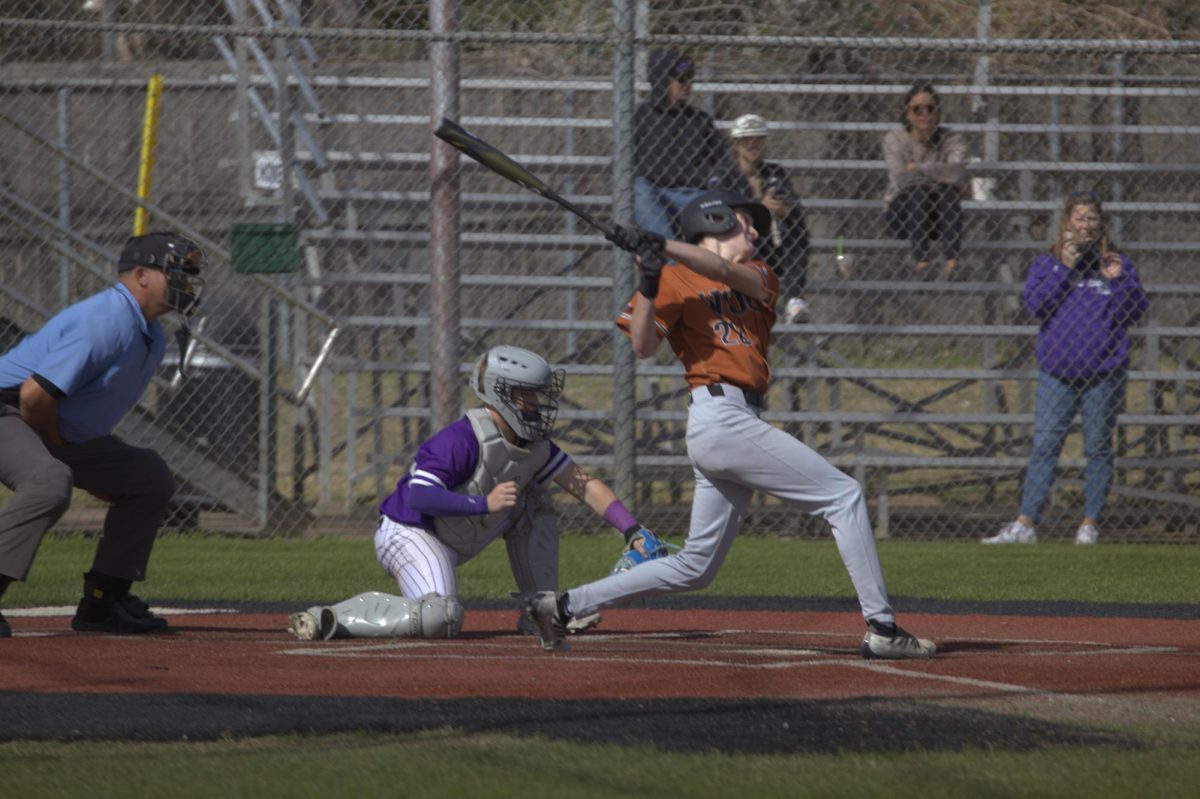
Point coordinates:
[[786, 248], [676, 147]]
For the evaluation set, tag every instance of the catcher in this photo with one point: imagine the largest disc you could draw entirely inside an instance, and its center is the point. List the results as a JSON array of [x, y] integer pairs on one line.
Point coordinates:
[[481, 478]]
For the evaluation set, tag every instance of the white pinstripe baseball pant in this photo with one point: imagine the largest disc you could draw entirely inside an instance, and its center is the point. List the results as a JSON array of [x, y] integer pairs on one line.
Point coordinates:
[[416, 559]]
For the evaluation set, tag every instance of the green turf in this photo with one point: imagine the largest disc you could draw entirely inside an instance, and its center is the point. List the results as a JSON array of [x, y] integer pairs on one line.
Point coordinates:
[[449, 765], [318, 569]]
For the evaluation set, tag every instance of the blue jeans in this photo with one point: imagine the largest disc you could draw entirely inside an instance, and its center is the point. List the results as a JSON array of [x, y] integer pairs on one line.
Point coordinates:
[[656, 209], [1098, 400]]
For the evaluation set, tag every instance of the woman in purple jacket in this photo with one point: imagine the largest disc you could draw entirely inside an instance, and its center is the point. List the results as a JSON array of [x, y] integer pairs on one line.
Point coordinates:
[[1086, 295]]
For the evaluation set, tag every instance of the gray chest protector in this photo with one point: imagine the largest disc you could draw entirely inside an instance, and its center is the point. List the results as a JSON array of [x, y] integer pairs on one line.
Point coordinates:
[[499, 462]]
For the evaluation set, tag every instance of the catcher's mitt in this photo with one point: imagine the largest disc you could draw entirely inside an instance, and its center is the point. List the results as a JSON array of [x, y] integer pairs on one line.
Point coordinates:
[[653, 548]]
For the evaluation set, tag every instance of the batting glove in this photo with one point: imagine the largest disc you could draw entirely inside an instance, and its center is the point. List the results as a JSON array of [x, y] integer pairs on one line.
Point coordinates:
[[625, 237], [654, 547], [635, 240], [650, 262]]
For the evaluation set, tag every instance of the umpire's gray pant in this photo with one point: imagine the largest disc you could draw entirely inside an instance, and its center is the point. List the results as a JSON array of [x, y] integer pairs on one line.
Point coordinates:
[[41, 476]]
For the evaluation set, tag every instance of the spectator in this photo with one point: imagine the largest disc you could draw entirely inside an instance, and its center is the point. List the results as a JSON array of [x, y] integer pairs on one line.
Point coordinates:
[[676, 147], [786, 247], [1086, 294], [62, 391], [481, 478], [926, 180]]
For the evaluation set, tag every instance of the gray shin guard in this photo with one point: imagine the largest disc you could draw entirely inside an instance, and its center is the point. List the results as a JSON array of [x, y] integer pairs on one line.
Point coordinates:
[[379, 615]]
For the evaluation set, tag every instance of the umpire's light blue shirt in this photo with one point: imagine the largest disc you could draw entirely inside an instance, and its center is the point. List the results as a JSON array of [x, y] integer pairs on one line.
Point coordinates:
[[100, 353]]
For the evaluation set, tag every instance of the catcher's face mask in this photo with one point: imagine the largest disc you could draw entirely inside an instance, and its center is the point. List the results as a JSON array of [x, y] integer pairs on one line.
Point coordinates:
[[184, 283], [530, 409]]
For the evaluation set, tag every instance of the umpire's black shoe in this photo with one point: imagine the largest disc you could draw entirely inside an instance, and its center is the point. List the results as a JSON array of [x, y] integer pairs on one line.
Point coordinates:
[[127, 615], [5, 629]]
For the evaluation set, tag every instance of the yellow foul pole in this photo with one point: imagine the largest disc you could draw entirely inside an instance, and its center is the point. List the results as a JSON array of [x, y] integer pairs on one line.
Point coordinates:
[[141, 217]]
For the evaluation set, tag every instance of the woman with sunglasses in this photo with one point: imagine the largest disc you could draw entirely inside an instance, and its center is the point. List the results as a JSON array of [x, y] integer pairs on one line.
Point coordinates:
[[1086, 294], [926, 179]]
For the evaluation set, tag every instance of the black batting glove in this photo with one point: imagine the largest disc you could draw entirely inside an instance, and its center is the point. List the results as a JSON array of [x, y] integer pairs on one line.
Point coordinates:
[[650, 261], [634, 240], [624, 237]]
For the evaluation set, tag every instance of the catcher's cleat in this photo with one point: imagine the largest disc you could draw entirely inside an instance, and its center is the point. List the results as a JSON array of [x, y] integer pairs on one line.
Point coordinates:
[[574, 626], [314, 624], [5, 629], [892, 643], [127, 615], [542, 609]]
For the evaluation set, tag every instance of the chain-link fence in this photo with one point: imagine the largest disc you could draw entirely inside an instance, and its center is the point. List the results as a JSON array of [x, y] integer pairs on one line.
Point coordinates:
[[916, 157]]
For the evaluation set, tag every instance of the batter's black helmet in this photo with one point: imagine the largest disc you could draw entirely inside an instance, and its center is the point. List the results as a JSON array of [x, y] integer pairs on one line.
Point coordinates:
[[713, 214]]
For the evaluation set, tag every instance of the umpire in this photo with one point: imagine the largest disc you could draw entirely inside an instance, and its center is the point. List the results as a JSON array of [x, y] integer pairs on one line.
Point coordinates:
[[62, 391]]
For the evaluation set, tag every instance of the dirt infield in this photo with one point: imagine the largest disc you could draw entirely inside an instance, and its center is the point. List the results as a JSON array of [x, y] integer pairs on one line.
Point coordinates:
[[707, 677]]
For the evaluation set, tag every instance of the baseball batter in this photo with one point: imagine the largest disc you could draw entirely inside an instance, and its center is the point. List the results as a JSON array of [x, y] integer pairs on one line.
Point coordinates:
[[715, 307], [481, 478]]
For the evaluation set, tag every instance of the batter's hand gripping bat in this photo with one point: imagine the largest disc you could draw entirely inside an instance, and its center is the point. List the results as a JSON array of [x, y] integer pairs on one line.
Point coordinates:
[[454, 134]]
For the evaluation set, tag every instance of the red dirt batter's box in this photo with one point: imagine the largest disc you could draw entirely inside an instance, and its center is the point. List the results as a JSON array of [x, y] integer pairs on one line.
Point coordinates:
[[733, 654]]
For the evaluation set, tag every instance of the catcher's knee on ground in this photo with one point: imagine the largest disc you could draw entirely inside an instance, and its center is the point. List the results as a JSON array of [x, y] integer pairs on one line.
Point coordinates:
[[379, 615]]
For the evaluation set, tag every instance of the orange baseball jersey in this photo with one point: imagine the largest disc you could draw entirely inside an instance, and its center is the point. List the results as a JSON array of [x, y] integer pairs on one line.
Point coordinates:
[[718, 334]]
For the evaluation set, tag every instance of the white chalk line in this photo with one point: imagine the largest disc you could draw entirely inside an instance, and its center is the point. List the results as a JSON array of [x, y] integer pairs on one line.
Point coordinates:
[[777, 658], [69, 610]]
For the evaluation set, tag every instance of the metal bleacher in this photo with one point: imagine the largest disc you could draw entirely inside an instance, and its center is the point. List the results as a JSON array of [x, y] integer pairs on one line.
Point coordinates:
[[964, 423]]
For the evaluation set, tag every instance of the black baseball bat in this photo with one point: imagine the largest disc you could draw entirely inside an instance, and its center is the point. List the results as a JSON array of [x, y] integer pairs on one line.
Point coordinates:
[[461, 139]]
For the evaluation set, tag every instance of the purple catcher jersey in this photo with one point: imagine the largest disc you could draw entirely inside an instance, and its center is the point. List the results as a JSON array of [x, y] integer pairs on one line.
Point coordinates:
[[448, 460]]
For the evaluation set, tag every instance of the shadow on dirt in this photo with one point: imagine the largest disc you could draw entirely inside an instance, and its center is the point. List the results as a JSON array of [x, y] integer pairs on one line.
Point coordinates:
[[685, 725]]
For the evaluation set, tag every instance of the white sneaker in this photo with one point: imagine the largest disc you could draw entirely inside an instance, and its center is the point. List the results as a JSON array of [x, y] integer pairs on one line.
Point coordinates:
[[1013, 533], [574, 626], [542, 610], [796, 310], [1087, 534], [881, 643]]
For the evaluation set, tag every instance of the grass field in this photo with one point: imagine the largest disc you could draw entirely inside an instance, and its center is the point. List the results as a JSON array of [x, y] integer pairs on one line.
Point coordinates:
[[449, 763], [316, 569]]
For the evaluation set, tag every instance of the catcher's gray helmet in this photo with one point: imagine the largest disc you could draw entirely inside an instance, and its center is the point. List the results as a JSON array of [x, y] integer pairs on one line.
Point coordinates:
[[522, 388]]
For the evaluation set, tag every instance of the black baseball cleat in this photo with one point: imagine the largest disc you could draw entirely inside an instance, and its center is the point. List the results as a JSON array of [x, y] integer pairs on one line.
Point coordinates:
[[5, 629], [127, 615]]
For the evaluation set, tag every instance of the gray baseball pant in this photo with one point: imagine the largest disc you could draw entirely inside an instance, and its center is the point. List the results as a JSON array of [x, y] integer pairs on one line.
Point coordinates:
[[41, 477], [735, 453]]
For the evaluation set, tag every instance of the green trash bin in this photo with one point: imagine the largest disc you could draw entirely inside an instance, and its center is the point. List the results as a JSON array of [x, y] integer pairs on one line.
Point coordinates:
[[264, 247]]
